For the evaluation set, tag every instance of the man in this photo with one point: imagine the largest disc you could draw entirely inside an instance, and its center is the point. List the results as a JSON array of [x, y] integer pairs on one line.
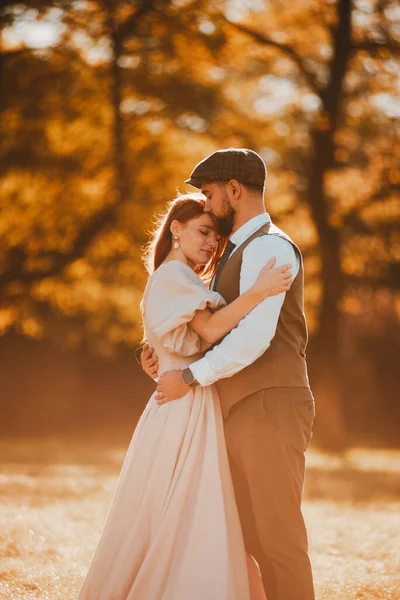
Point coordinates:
[[260, 373]]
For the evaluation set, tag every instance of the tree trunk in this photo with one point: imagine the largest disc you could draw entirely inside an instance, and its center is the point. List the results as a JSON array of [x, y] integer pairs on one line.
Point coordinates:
[[122, 185], [326, 377]]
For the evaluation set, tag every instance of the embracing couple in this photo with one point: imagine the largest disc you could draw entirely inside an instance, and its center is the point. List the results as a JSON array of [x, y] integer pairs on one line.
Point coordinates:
[[208, 503]]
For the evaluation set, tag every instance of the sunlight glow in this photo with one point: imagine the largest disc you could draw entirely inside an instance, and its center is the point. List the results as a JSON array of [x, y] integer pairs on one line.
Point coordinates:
[[388, 104], [33, 32]]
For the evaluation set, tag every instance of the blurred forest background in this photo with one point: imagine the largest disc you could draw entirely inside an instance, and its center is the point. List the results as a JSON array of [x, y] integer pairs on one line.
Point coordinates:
[[106, 106]]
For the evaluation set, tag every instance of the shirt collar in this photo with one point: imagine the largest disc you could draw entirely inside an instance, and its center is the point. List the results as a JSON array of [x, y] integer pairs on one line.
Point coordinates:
[[248, 228]]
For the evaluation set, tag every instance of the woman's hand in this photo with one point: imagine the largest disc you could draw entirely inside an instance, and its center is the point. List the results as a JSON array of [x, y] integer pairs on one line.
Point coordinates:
[[149, 361], [273, 281]]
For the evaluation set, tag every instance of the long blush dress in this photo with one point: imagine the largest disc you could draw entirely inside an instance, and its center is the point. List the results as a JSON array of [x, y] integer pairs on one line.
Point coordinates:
[[173, 531]]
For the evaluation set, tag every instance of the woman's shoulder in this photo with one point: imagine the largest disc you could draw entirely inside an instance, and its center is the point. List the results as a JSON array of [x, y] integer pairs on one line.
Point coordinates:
[[171, 279], [175, 279], [175, 269], [175, 265]]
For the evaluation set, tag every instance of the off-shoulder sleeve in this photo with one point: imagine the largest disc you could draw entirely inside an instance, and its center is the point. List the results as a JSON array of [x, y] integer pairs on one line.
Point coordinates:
[[175, 293]]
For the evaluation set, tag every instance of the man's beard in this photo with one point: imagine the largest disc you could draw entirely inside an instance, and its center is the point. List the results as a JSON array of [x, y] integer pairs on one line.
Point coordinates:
[[225, 223]]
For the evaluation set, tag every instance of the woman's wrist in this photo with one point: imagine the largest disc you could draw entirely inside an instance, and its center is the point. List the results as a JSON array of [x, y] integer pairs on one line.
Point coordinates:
[[256, 295]]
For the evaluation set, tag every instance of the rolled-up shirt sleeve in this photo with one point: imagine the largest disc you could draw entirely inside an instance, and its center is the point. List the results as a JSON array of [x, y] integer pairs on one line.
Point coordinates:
[[253, 335]]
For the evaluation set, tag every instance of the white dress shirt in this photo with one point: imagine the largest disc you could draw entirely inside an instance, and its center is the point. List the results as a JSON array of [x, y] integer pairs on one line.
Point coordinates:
[[251, 338]]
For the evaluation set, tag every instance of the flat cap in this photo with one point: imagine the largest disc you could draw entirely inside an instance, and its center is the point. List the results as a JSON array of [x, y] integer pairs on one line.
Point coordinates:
[[242, 164]]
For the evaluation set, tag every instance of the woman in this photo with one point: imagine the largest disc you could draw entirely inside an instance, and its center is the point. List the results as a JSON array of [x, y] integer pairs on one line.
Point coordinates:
[[173, 531]]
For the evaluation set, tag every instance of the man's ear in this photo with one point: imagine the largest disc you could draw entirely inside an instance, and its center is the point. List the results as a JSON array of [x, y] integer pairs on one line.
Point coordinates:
[[234, 188]]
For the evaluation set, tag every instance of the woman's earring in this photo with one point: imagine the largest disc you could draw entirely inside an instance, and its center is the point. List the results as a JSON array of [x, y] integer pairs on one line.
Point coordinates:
[[176, 245]]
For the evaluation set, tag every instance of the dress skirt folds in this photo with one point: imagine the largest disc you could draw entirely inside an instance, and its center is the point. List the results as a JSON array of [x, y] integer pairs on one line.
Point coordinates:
[[173, 531]]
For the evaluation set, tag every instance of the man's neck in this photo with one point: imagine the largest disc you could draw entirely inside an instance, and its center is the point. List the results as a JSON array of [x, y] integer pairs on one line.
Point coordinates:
[[241, 219]]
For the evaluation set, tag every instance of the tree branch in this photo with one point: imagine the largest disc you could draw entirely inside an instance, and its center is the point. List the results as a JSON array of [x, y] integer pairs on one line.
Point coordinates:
[[128, 27], [17, 256], [374, 47], [284, 48], [389, 278], [352, 217]]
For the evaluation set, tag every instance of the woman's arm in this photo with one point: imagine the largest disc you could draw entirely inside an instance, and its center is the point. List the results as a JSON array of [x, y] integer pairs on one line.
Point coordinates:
[[214, 326]]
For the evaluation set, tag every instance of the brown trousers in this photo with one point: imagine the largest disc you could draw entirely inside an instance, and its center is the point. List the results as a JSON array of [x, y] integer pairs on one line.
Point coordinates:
[[267, 434]]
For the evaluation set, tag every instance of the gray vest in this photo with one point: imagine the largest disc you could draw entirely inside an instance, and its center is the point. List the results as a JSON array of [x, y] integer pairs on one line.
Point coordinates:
[[283, 364]]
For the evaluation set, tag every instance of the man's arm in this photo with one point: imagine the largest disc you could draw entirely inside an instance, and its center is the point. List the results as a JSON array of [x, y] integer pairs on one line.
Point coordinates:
[[251, 338]]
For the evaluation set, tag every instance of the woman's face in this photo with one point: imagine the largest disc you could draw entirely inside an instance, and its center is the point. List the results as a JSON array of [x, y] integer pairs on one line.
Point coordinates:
[[198, 239]]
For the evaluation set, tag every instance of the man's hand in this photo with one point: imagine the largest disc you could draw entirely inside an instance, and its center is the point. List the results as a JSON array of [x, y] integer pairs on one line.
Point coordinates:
[[171, 387], [149, 361]]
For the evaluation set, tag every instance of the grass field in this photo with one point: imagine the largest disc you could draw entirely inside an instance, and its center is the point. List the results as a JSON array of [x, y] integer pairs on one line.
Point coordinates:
[[56, 493]]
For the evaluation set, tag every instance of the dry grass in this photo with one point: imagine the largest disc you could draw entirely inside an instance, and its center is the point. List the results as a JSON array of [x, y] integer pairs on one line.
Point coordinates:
[[57, 493]]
